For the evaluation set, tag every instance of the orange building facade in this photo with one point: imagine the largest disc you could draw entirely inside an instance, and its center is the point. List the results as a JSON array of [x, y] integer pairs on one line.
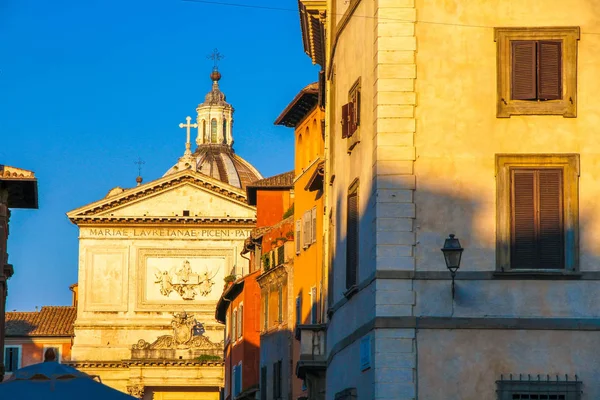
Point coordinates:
[[305, 115]]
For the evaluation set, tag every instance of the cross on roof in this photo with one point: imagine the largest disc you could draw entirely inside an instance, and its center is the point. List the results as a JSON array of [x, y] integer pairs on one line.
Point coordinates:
[[187, 139], [139, 163], [216, 57]]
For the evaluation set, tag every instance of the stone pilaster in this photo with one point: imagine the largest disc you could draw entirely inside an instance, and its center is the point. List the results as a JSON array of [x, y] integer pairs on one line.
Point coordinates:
[[394, 185]]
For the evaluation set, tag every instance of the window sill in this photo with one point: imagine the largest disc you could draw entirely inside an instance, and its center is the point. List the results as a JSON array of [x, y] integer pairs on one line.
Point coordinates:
[[537, 274], [564, 107], [352, 290]]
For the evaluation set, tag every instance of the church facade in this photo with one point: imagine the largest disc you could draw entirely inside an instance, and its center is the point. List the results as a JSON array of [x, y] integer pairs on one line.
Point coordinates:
[[152, 262]]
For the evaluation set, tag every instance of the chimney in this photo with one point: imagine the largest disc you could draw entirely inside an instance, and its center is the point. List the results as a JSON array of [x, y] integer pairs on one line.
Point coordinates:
[[75, 289]]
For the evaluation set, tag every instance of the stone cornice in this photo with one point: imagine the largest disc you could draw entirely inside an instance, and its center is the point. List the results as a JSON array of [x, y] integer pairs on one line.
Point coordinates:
[[159, 185], [148, 363], [171, 220]]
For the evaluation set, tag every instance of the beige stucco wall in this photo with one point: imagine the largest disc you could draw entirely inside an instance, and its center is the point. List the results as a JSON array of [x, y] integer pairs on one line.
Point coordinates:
[[458, 133], [465, 364]]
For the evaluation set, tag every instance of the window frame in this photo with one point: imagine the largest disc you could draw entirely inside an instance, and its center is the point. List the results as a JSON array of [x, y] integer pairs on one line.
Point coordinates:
[[57, 350], [567, 105], [352, 283], [240, 323], [19, 356], [234, 321], [354, 102], [569, 163]]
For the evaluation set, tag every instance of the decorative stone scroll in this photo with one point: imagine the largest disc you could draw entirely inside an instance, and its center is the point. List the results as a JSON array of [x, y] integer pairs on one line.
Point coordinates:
[[188, 334], [136, 390]]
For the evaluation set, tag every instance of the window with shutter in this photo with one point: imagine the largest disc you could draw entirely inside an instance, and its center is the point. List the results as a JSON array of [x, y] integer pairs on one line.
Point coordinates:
[[280, 255], [265, 311], [314, 224], [537, 223], [537, 219], [354, 108], [537, 71], [240, 323], [353, 115], [307, 229], [352, 237], [280, 304], [345, 120], [234, 321], [298, 237]]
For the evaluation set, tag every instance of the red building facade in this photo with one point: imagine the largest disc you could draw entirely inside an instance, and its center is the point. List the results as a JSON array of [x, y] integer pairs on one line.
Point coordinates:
[[239, 307]]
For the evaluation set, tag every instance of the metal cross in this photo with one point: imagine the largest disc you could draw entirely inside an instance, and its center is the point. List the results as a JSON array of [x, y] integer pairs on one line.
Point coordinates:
[[216, 57], [189, 125], [139, 163]]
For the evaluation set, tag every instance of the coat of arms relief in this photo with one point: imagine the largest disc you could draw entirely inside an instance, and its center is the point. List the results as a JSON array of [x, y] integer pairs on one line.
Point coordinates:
[[188, 334], [185, 282]]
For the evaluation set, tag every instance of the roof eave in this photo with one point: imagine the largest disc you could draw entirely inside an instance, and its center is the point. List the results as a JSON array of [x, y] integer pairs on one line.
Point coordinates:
[[295, 112], [312, 24]]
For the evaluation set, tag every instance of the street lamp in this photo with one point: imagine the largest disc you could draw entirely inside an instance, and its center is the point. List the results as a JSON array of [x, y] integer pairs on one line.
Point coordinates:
[[452, 254]]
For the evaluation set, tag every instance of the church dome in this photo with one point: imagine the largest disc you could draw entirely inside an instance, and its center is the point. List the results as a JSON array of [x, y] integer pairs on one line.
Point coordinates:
[[214, 155], [221, 162]]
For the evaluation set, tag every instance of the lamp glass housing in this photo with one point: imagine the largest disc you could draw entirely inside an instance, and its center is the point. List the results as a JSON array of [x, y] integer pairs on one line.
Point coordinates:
[[452, 253]]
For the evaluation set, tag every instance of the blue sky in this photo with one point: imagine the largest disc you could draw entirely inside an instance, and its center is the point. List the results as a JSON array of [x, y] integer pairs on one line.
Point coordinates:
[[87, 87]]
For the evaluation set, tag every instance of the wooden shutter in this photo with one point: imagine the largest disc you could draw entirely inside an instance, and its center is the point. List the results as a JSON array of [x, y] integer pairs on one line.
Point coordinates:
[[351, 122], [549, 70], [313, 216], [352, 240], [241, 321], [307, 228], [551, 232], [298, 238], [523, 251], [345, 116], [523, 71], [280, 255], [234, 321], [537, 233]]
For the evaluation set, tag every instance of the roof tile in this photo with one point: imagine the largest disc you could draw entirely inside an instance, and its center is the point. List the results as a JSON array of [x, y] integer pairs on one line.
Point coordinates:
[[49, 321]]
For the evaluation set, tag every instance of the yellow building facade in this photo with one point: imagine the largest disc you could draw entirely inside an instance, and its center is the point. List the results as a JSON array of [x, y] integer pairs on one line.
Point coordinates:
[[309, 288]]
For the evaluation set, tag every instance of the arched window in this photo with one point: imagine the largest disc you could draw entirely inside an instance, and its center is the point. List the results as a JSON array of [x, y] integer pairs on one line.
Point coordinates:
[[314, 146], [299, 154], [306, 156], [224, 131], [213, 131], [204, 131]]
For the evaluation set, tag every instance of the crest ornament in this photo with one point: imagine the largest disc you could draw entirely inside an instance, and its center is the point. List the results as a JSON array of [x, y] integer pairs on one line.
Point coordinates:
[[136, 390], [188, 334], [185, 281]]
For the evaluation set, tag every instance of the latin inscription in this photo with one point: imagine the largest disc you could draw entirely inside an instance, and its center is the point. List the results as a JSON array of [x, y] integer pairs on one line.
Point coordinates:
[[167, 233]]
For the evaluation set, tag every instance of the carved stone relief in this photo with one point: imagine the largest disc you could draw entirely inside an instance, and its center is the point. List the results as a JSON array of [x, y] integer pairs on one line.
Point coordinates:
[[185, 281], [188, 334]]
